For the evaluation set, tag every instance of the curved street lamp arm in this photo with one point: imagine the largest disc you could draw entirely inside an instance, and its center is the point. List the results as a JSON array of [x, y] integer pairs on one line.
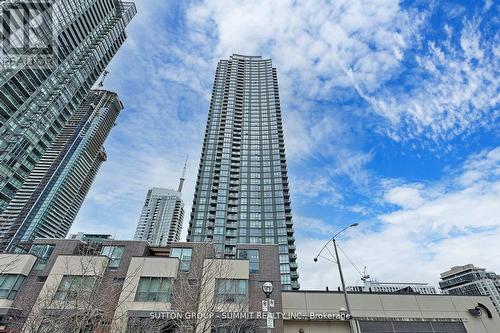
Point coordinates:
[[331, 239]]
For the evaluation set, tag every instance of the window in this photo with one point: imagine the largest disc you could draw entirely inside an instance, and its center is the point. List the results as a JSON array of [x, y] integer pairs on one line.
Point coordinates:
[[114, 253], [253, 258], [405, 326], [284, 268], [284, 259], [231, 291], [72, 285], [184, 255], [43, 253], [9, 285], [153, 289], [285, 279]]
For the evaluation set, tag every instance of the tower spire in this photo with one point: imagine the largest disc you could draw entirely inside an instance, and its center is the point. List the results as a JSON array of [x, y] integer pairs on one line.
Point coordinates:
[[181, 181]]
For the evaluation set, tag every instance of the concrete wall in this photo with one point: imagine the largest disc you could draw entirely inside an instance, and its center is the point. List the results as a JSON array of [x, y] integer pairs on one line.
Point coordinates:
[[214, 269], [71, 265], [142, 266], [63, 265], [372, 306], [18, 264], [110, 282]]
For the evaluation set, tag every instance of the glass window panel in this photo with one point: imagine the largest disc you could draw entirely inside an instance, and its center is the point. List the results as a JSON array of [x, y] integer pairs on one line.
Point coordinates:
[[143, 285]]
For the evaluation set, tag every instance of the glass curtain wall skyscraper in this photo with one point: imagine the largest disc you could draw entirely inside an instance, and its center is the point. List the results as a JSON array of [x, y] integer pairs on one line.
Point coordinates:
[[36, 100], [46, 204], [242, 193]]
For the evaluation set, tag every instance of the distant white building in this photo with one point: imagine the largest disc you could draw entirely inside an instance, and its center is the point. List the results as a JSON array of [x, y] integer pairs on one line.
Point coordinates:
[[161, 219], [471, 280], [93, 238], [394, 287]]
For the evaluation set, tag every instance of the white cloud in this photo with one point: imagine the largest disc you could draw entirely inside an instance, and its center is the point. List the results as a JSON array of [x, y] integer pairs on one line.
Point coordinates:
[[404, 196], [322, 49], [457, 90], [319, 47], [326, 183], [456, 225], [311, 225], [316, 188]]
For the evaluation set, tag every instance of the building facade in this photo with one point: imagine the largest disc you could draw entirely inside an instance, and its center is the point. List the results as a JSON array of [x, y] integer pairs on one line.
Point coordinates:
[[242, 194], [324, 312], [471, 280], [161, 218], [36, 101], [65, 285], [393, 287], [128, 286], [46, 205]]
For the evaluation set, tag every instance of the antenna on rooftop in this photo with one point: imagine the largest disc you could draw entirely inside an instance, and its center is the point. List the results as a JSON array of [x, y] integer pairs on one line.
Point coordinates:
[[181, 181], [365, 276]]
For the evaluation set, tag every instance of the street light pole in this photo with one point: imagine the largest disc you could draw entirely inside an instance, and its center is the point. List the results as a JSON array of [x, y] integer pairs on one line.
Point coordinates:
[[268, 288], [346, 299], [342, 278]]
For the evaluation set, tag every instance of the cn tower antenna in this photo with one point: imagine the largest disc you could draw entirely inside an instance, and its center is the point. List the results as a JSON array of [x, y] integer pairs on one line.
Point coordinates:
[[181, 181]]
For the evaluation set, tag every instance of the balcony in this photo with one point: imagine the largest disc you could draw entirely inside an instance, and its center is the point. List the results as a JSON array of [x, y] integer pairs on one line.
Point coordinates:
[[231, 225]]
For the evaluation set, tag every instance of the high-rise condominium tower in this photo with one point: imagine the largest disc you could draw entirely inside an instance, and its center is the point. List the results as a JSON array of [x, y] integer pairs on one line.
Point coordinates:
[[46, 204], [161, 218], [471, 280], [242, 193], [52, 52]]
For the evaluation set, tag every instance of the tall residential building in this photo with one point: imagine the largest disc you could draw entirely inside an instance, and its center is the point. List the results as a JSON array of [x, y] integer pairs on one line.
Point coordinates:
[[471, 280], [242, 193], [161, 218], [41, 87], [46, 204]]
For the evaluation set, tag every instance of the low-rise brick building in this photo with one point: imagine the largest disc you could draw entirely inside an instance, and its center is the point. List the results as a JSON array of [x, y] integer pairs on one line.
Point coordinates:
[[129, 286]]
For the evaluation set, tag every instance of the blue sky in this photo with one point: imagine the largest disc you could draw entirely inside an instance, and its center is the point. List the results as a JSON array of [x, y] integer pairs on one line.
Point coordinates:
[[390, 113]]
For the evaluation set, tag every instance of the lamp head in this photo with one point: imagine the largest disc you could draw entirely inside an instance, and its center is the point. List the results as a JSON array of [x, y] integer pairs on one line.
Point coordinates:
[[354, 225], [315, 259], [267, 288]]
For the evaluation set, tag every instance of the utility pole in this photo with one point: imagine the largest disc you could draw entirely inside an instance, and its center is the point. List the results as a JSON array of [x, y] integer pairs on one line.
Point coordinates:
[[342, 278], [346, 299]]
